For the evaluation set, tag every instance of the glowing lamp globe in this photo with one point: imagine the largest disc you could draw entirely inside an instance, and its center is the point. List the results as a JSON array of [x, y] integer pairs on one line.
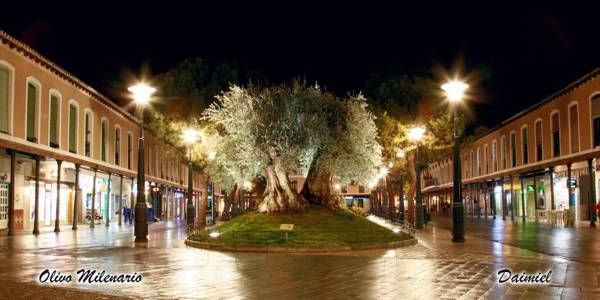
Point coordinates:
[[142, 93], [455, 90]]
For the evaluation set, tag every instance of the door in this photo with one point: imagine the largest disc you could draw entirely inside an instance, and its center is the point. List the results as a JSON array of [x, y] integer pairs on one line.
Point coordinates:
[[3, 205]]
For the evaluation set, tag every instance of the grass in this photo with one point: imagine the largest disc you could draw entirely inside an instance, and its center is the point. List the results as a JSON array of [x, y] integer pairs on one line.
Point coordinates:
[[316, 227]]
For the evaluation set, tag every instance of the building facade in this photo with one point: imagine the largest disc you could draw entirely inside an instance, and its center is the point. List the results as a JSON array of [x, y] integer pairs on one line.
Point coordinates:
[[64, 146], [540, 165]]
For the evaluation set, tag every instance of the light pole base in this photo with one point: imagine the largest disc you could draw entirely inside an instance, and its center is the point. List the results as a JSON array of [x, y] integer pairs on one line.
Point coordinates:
[[419, 218], [458, 223], [191, 215], [141, 223]]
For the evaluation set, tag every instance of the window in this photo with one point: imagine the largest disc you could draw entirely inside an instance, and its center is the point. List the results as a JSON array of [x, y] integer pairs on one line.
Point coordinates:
[[33, 96], [294, 185], [73, 127], [574, 128], [104, 139], [117, 146], [539, 146], [513, 149], [503, 151], [478, 161], [472, 164], [555, 135], [54, 120], [6, 91], [129, 150], [361, 189], [494, 156], [596, 119], [485, 159], [344, 189], [88, 133], [525, 141]]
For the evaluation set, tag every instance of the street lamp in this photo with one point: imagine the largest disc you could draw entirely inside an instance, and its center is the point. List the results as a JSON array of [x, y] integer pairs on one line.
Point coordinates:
[[455, 91], [415, 134], [401, 154], [190, 136], [142, 93]]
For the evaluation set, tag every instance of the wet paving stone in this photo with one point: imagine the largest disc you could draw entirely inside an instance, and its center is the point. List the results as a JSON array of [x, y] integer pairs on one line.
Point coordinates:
[[433, 269]]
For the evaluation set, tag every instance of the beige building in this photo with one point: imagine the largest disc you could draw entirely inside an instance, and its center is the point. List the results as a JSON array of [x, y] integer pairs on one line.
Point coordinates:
[[539, 165], [49, 118]]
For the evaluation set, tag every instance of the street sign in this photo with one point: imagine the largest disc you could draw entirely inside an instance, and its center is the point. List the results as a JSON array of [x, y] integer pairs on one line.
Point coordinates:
[[286, 227], [572, 183]]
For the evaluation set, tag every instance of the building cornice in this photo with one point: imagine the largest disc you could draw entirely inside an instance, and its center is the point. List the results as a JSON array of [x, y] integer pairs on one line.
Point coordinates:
[[42, 61]]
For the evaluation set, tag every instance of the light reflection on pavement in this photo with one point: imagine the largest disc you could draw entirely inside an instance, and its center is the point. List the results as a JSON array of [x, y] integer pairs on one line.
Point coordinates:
[[434, 268]]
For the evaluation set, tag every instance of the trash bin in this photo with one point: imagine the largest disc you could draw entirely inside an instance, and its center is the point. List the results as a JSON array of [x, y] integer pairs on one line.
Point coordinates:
[[150, 214]]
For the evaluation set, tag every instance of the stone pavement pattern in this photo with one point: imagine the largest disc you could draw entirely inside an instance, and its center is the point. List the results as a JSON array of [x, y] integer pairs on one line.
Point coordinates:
[[433, 269]]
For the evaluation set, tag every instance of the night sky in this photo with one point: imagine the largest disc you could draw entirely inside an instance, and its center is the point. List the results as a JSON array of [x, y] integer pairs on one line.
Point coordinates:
[[520, 54]]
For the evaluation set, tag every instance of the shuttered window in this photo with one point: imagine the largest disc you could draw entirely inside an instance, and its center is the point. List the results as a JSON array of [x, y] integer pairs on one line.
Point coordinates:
[[596, 119], [54, 121], [73, 128], [88, 134], [574, 127], [525, 138], [538, 141], [513, 150], [129, 149], [104, 138], [117, 146], [31, 112], [4, 94], [555, 136]]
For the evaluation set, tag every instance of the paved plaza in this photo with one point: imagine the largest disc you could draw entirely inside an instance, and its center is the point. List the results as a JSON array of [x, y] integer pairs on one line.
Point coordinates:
[[433, 269]]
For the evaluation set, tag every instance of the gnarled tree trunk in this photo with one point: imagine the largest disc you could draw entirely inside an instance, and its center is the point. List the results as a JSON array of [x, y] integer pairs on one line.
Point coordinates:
[[318, 189], [279, 195]]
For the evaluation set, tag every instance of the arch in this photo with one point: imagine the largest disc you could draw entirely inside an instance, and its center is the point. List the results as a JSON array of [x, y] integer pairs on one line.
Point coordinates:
[[10, 98], [72, 140], [32, 131]]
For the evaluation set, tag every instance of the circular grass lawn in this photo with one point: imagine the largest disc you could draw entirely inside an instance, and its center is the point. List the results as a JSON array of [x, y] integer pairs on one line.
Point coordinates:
[[314, 228]]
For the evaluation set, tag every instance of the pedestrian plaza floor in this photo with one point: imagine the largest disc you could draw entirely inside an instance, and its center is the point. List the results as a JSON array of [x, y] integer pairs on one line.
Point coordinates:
[[435, 268]]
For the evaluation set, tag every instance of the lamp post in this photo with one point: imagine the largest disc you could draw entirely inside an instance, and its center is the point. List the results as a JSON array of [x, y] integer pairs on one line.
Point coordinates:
[[190, 136], [455, 91], [401, 154], [141, 95], [416, 134]]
